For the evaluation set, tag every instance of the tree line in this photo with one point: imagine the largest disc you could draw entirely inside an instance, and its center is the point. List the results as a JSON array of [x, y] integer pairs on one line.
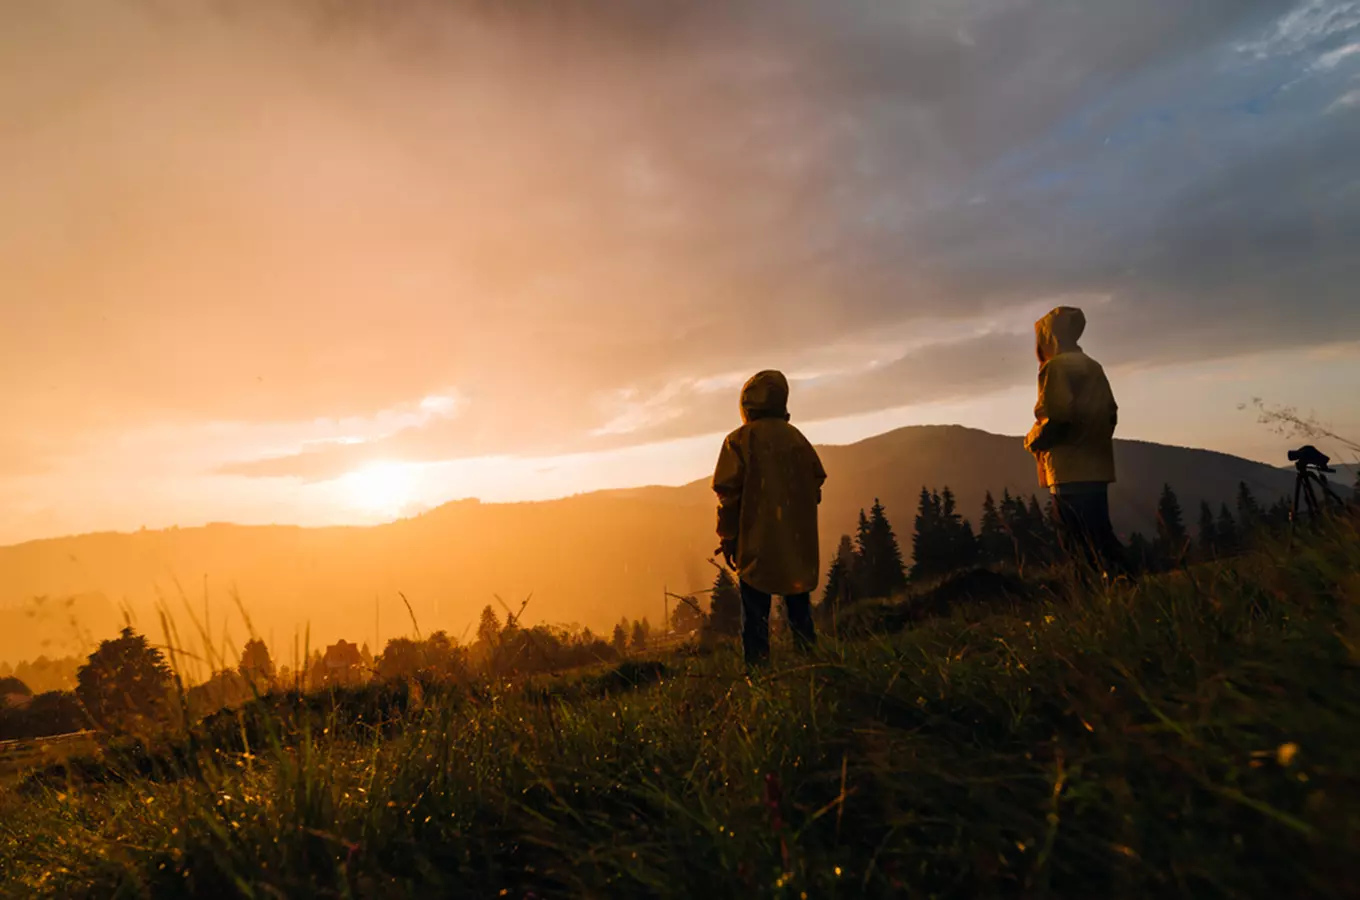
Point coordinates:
[[1015, 533], [1020, 533], [127, 685]]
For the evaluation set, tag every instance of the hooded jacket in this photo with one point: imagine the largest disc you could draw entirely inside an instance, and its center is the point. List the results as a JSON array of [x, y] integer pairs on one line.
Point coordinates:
[[769, 483], [1073, 435]]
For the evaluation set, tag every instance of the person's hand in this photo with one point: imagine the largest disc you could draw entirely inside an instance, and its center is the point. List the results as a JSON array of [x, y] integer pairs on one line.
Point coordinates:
[[728, 551], [1031, 438]]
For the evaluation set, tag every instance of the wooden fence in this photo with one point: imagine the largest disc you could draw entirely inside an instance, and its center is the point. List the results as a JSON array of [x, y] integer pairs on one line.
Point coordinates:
[[18, 757]]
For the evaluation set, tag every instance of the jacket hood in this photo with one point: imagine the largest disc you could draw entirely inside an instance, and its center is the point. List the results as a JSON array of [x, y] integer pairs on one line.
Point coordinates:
[[1058, 332], [765, 396]]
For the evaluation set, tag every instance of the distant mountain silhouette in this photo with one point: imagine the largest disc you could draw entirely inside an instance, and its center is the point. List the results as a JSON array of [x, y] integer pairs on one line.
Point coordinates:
[[587, 559]]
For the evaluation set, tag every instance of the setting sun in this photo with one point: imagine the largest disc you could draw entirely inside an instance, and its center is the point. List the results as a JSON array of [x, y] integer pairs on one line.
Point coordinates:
[[380, 488]]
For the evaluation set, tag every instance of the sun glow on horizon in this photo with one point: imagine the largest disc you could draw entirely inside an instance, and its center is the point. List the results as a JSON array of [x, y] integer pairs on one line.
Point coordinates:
[[381, 488]]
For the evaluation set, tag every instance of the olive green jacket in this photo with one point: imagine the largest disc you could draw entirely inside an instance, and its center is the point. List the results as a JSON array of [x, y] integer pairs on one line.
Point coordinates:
[[769, 483]]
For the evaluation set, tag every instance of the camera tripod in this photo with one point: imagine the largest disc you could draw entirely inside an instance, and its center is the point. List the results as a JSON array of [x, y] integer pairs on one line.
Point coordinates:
[[1309, 484]]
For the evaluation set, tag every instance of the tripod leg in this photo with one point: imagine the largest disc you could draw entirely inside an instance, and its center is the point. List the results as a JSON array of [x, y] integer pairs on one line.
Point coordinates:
[[1294, 510], [1314, 512]]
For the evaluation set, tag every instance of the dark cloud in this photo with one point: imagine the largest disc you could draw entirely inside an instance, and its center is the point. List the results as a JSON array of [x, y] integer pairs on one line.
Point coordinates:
[[549, 205]]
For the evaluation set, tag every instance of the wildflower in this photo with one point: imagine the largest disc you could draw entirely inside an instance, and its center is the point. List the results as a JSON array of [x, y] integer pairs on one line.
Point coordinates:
[[1286, 753]]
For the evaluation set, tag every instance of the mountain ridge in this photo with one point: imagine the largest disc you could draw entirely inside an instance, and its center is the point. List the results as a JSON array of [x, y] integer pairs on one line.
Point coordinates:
[[588, 558]]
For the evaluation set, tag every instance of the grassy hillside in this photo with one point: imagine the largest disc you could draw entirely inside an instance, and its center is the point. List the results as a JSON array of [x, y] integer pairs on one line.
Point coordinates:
[[1191, 736], [587, 559]]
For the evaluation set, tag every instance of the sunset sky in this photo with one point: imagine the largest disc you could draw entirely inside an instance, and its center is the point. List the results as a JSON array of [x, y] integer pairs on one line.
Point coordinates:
[[323, 262]]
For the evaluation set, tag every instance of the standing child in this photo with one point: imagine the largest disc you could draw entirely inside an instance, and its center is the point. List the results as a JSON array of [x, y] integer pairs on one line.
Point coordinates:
[[1073, 440], [769, 485]]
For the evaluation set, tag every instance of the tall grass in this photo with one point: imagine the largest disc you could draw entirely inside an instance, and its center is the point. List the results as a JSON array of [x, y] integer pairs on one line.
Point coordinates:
[[1194, 735]]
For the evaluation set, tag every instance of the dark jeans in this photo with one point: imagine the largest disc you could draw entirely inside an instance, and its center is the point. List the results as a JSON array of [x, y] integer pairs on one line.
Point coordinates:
[[1084, 528], [755, 622]]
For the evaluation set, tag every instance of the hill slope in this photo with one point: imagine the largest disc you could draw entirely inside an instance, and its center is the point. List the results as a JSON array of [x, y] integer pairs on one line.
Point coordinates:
[[589, 559]]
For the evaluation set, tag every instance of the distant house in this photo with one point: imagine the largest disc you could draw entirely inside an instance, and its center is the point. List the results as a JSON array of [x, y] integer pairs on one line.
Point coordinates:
[[344, 663]]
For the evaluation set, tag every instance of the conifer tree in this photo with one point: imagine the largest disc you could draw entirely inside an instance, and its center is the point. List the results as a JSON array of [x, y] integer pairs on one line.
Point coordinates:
[[1226, 530], [724, 611], [620, 639], [256, 666], [1013, 518], [944, 542], [1039, 523], [1249, 513], [1208, 532], [836, 577], [1171, 535], [860, 586], [840, 576], [965, 546], [640, 635], [1277, 517], [489, 627], [685, 619], [925, 539], [881, 560], [959, 540], [994, 547]]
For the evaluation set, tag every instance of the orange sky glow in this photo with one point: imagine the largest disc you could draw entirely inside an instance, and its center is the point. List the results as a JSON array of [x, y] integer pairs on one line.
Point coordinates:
[[261, 267]]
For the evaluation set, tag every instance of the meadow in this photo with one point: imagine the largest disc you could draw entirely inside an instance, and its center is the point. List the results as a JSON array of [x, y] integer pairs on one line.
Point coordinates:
[[1191, 735]]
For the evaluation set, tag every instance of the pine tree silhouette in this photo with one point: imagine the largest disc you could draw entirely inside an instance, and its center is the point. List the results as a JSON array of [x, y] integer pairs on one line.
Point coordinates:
[[943, 542], [1171, 536], [1208, 532], [1226, 529], [881, 557], [1013, 517], [926, 549], [1043, 539], [1249, 515], [840, 576], [959, 541], [994, 545], [861, 567], [489, 627], [724, 611], [1277, 517], [620, 639], [256, 666]]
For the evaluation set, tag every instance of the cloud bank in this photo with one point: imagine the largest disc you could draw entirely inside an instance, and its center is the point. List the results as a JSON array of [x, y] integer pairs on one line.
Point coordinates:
[[587, 222]]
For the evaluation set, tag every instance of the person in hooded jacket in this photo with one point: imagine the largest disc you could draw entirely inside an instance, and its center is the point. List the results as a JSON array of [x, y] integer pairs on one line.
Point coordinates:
[[769, 484], [1073, 439]]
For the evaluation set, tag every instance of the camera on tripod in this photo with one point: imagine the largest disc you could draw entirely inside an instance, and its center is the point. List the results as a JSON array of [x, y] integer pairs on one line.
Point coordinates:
[[1311, 487], [1310, 457]]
